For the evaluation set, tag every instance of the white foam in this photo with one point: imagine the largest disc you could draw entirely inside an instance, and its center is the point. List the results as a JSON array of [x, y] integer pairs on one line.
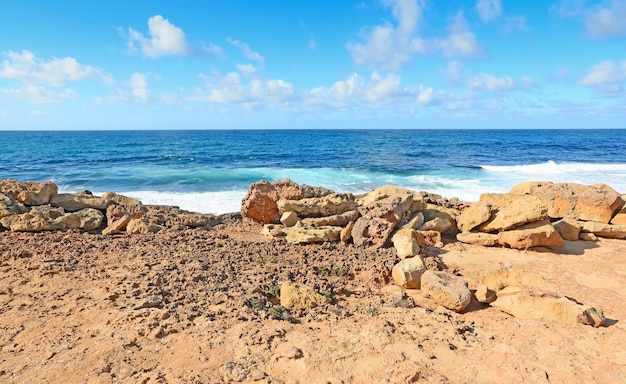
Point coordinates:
[[215, 203]]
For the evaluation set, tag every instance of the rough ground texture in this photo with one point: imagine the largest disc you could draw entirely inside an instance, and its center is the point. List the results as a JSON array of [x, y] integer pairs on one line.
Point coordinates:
[[201, 306]]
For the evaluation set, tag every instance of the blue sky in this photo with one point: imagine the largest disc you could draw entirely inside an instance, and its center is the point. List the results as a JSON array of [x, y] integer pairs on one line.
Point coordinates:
[[312, 64]]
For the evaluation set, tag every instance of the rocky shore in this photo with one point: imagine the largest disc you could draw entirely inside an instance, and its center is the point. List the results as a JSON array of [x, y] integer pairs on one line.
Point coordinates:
[[308, 285]]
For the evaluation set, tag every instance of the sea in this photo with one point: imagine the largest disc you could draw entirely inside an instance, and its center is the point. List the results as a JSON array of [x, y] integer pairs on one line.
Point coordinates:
[[210, 171]]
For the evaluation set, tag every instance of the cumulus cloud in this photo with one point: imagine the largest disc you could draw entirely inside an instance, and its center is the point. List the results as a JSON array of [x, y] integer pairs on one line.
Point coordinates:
[[55, 72], [608, 20], [461, 41], [378, 90], [606, 72], [166, 39], [391, 46], [605, 20], [489, 10], [245, 88], [139, 87], [491, 83], [247, 51]]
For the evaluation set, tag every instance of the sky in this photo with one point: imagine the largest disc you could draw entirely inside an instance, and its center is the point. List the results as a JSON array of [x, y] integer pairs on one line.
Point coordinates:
[[82, 65]]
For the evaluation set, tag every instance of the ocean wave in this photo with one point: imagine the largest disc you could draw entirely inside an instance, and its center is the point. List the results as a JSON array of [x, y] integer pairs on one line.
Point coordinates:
[[551, 167]]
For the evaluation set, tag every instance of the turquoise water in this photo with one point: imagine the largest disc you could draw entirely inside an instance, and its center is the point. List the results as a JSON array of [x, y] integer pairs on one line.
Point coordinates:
[[209, 171]]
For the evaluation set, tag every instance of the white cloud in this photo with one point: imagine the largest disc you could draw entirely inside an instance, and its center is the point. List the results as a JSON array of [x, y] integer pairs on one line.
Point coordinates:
[[512, 23], [489, 10], [491, 83], [139, 87], [247, 51], [55, 72], [376, 91], [606, 72], [607, 20], [461, 41], [391, 46], [453, 72], [166, 39], [248, 70], [245, 88], [39, 94]]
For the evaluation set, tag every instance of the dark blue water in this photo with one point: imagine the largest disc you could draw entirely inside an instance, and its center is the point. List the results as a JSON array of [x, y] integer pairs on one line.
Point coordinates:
[[209, 171]]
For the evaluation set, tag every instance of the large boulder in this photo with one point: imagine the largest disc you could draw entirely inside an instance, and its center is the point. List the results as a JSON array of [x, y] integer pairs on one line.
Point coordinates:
[[73, 202], [296, 296], [115, 212], [259, 204], [604, 230], [537, 234], [10, 206], [386, 191], [142, 226], [379, 219], [29, 192], [408, 272], [476, 214], [512, 211], [304, 234], [589, 203], [407, 242], [331, 204], [530, 302], [446, 289]]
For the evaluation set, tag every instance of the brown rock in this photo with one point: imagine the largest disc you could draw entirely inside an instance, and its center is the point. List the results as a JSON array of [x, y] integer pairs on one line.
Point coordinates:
[[407, 241], [328, 205], [142, 226], [116, 212], [516, 210], [116, 198], [117, 226], [537, 303], [446, 289], [46, 218], [473, 216], [259, 203], [340, 219], [346, 233], [29, 192], [568, 228], [432, 238], [415, 222], [605, 230], [289, 218], [73, 202], [591, 203], [485, 295], [303, 234], [379, 219], [438, 224], [390, 190], [10, 206], [537, 234], [477, 238], [584, 236], [408, 272], [296, 296]]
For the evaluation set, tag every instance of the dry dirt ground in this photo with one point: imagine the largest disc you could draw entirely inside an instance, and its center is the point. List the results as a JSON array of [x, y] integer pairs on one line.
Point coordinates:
[[200, 306]]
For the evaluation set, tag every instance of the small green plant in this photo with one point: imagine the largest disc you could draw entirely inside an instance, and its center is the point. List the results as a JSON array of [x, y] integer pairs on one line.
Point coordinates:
[[372, 311], [274, 259], [274, 290], [256, 304], [278, 312]]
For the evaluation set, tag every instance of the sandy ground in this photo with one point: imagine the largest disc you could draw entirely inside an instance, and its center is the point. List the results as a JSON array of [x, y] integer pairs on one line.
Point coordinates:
[[195, 306]]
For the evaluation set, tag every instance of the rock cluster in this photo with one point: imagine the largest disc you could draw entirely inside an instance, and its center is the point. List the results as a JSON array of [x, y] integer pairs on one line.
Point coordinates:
[[544, 214], [33, 207]]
